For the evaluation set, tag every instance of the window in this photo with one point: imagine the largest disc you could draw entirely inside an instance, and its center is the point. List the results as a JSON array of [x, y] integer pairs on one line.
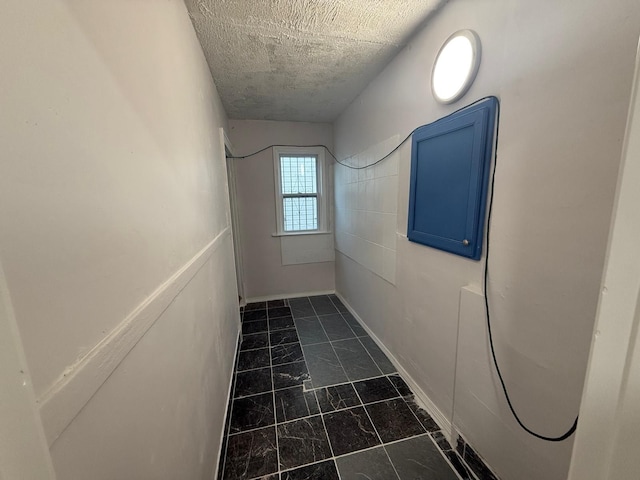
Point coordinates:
[[301, 206]]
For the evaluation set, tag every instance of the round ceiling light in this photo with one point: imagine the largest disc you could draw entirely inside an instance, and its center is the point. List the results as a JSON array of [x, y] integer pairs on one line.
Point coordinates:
[[456, 66]]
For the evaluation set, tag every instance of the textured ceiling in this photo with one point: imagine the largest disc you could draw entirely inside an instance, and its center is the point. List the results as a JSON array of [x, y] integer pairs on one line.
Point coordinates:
[[300, 60]]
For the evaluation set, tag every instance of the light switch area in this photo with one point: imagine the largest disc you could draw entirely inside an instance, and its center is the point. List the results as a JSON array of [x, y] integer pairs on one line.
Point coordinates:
[[366, 209]]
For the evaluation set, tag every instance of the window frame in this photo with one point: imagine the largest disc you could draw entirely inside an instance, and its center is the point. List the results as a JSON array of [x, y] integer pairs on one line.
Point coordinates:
[[321, 195]]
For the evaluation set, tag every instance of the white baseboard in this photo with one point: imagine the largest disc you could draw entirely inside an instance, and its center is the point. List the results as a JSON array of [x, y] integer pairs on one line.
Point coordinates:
[[216, 471], [422, 398], [266, 298], [60, 404]]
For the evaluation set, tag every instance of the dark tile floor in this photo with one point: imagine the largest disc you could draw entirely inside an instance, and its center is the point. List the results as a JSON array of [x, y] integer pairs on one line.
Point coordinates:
[[314, 397]]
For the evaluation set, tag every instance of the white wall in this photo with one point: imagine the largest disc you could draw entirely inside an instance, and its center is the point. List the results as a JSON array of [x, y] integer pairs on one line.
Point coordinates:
[[116, 240], [264, 272], [608, 434], [563, 76]]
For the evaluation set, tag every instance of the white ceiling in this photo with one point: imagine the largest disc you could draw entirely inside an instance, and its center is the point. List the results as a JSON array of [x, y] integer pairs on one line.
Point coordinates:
[[300, 60]]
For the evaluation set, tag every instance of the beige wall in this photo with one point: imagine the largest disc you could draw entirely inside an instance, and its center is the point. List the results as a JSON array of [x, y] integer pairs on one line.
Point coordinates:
[[563, 75], [264, 273], [115, 234]]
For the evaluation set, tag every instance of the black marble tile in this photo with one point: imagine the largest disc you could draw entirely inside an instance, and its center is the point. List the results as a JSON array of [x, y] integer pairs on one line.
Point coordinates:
[[279, 312], [337, 303], [289, 375], [459, 465], [375, 389], [251, 454], [255, 326], [252, 382], [312, 401], [318, 471], [358, 331], [336, 327], [255, 306], [400, 385], [252, 359], [310, 331], [324, 366], [337, 397], [283, 302], [323, 305], [286, 354], [282, 337], [357, 363], [441, 441], [427, 422], [252, 412], [280, 323], [225, 436], [477, 465], [371, 464], [460, 444], [377, 354], [418, 458], [350, 319], [252, 315], [302, 441], [293, 403], [394, 420], [350, 430], [301, 307], [250, 342]]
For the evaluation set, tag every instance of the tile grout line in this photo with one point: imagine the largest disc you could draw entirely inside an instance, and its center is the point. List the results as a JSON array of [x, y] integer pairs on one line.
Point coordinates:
[[324, 425], [374, 426], [320, 412], [365, 409], [352, 386], [273, 396], [429, 434], [363, 404]]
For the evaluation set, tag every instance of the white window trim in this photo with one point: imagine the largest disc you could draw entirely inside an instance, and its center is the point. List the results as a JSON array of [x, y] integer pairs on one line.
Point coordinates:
[[323, 200]]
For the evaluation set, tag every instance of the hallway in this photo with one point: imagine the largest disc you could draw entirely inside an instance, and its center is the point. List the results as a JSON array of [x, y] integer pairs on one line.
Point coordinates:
[[250, 240], [340, 405]]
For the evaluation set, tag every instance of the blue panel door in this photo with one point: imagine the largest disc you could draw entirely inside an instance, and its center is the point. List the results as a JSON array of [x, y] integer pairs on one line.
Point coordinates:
[[450, 164]]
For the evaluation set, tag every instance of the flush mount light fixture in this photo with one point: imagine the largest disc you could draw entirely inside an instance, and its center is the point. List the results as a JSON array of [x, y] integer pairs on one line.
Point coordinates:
[[456, 66]]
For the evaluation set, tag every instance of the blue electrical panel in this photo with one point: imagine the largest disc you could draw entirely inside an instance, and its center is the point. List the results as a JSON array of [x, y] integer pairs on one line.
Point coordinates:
[[450, 165]]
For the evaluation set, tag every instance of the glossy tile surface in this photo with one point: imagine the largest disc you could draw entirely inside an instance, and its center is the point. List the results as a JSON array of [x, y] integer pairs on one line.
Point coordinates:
[[252, 454], [394, 420], [324, 366], [302, 442], [371, 464], [418, 458], [319, 471], [375, 389], [337, 397], [252, 412], [252, 359], [286, 354], [355, 359], [314, 397], [350, 430]]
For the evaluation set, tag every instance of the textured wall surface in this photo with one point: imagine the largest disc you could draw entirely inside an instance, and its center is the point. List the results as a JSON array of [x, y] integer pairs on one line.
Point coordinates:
[[115, 234], [563, 77], [300, 60]]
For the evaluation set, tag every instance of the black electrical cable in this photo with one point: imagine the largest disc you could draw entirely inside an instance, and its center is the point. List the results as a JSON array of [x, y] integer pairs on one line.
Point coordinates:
[[569, 432], [351, 156]]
